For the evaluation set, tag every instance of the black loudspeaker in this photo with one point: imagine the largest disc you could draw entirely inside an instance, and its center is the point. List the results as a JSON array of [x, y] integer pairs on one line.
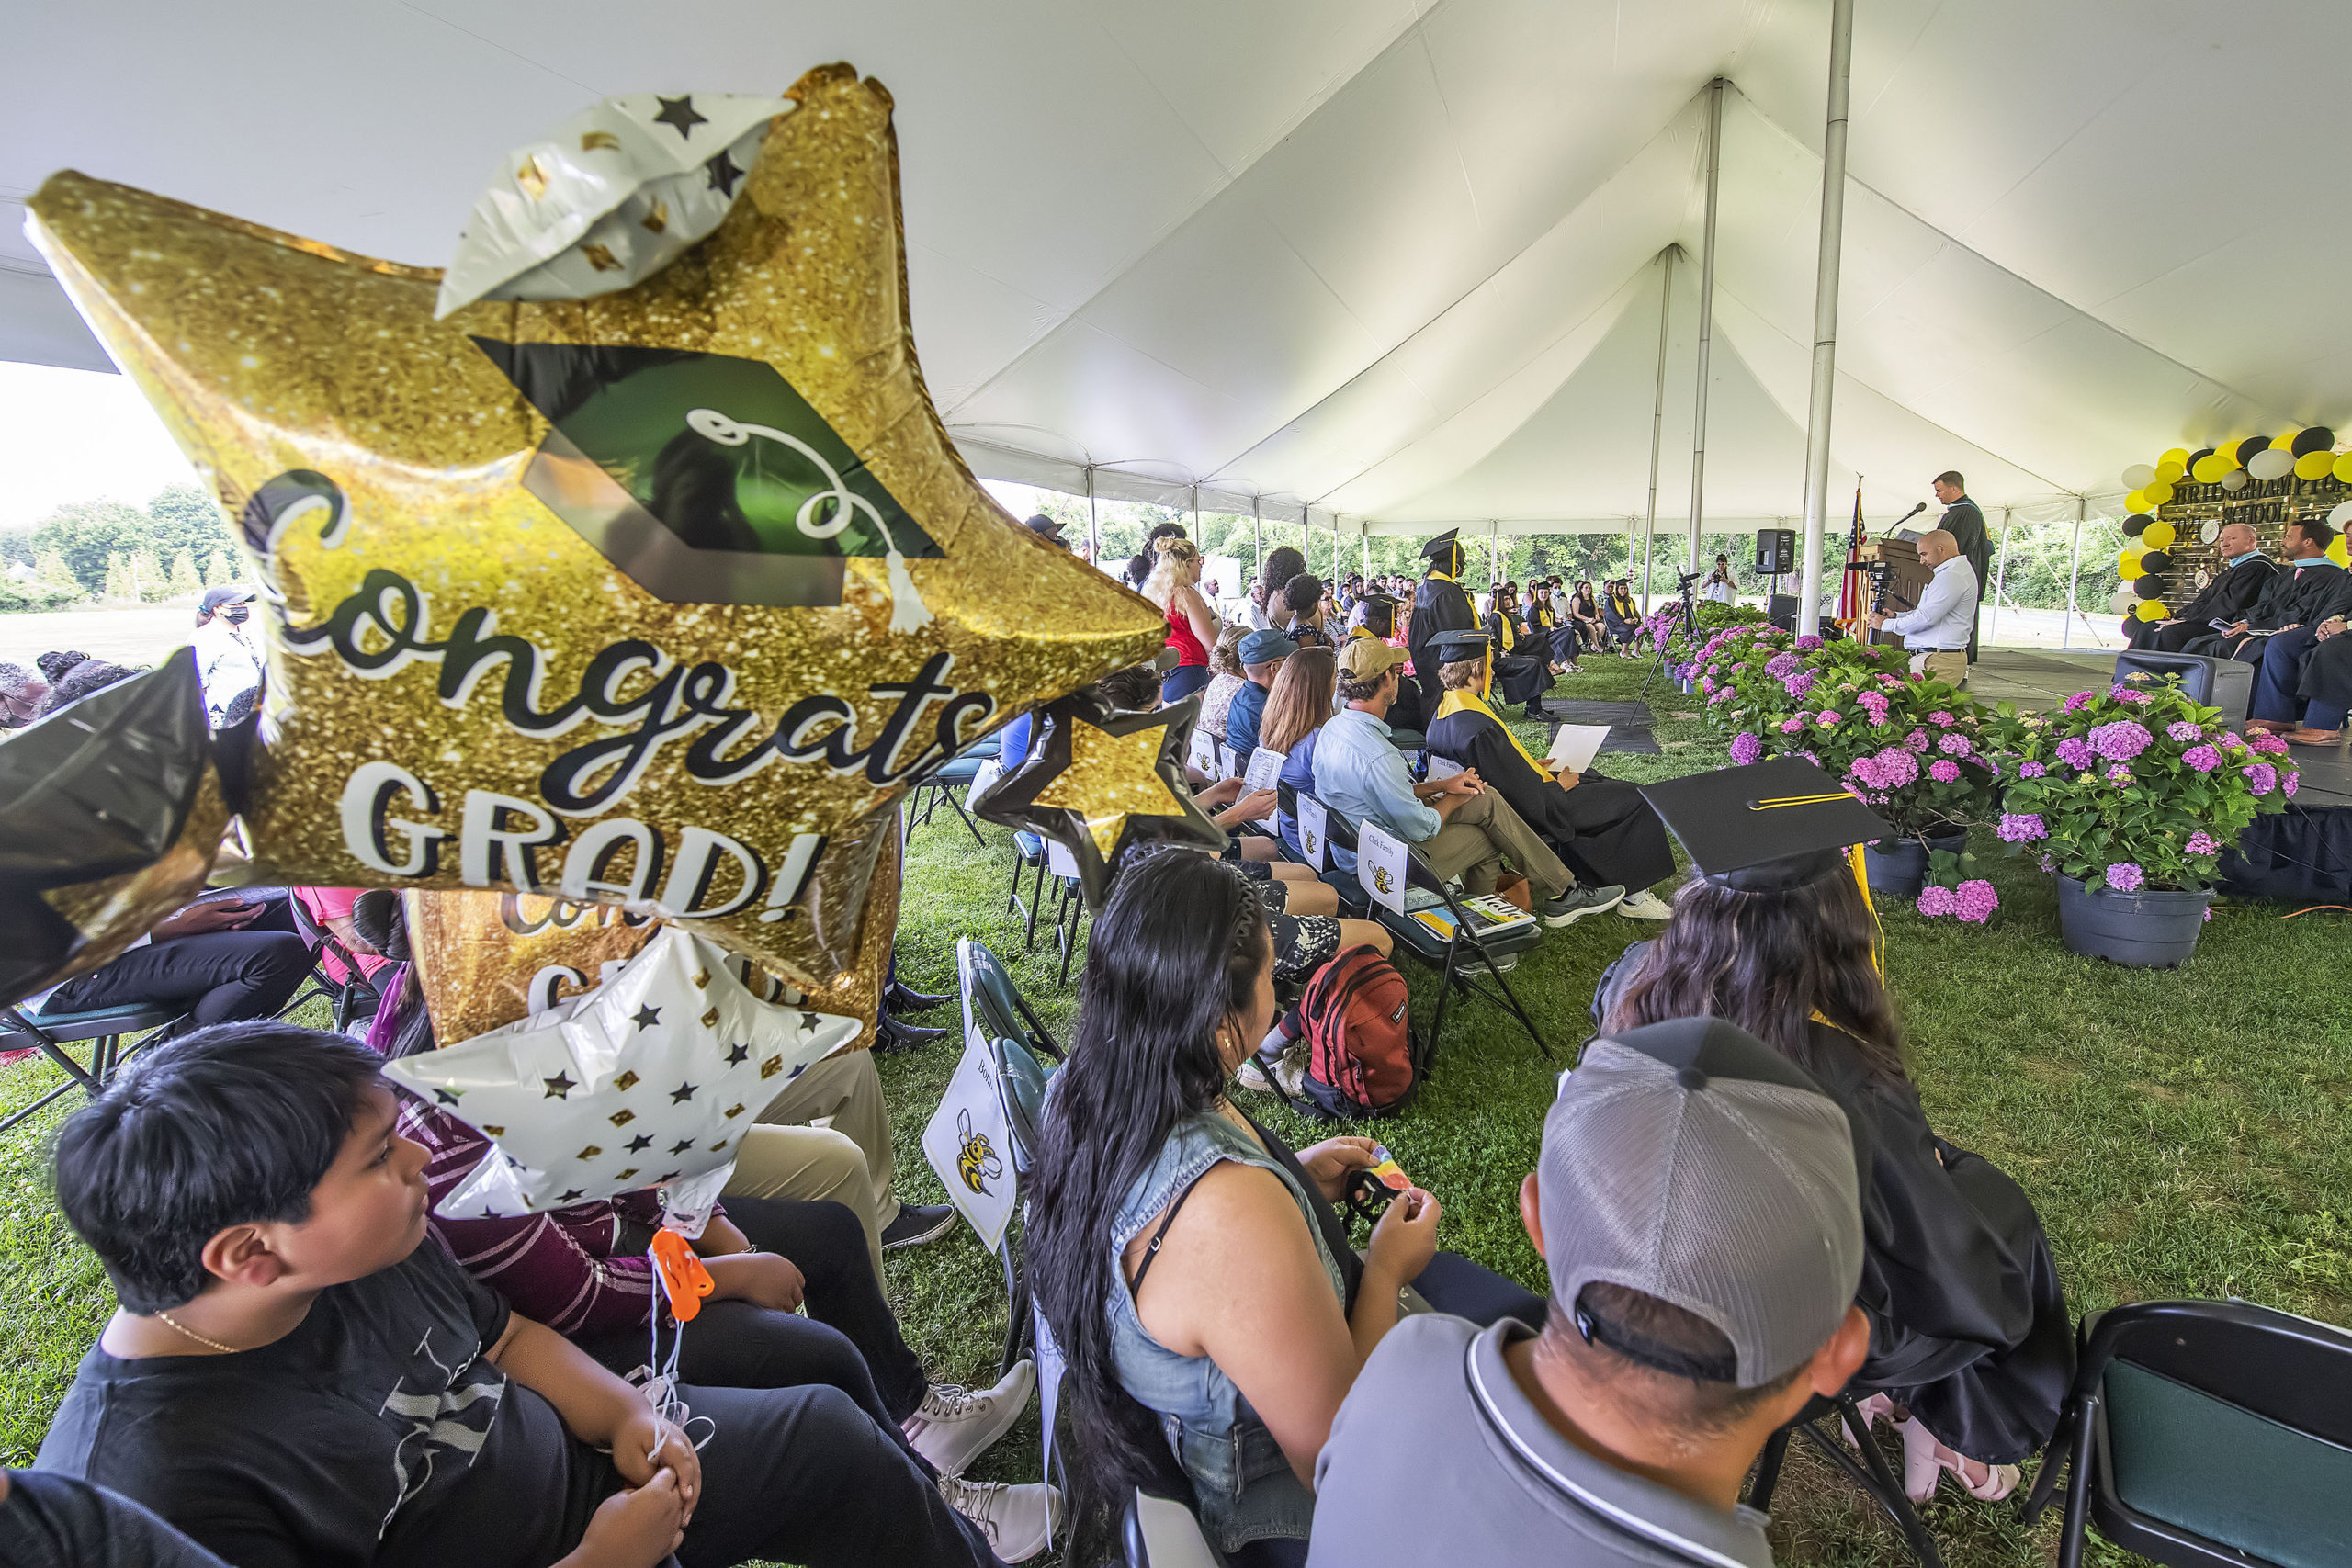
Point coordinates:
[[1776, 551], [1782, 610]]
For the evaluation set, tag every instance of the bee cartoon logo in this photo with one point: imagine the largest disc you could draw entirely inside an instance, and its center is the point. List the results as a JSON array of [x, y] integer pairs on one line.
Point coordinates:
[[1313, 847], [1380, 882], [977, 1163]]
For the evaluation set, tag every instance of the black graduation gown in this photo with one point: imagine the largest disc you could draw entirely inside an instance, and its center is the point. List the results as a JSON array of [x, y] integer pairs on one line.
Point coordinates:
[[1519, 678], [2326, 672], [2291, 598], [2227, 598], [1439, 606], [1965, 524], [1968, 1322], [1603, 829]]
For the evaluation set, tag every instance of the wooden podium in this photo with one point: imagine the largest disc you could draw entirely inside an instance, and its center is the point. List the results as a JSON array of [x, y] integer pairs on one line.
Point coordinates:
[[1907, 579]]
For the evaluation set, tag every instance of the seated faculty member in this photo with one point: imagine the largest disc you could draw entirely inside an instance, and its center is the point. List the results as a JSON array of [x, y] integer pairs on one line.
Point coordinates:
[[2246, 570], [1696, 1204]]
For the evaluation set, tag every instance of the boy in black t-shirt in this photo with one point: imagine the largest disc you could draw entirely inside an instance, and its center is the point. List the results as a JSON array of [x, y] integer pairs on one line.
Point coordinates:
[[296, 1375]]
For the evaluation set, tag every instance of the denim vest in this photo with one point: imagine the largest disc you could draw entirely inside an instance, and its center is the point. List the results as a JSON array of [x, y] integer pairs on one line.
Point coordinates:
[[1245, 1488]]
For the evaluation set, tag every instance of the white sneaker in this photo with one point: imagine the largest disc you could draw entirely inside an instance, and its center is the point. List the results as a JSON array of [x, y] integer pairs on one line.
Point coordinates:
[[1018, 1521], [1645, 906], [957, 1425], [1289, 1072]]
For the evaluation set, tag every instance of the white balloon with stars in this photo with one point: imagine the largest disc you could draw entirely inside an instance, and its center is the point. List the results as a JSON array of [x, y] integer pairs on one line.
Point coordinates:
[[649, 1080]]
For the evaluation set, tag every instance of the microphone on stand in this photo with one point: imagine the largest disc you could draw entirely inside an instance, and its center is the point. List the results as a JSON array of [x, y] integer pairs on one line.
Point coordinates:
[[1907, 517]]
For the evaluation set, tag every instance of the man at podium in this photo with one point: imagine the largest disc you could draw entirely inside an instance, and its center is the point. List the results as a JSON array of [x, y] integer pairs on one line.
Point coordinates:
[[1936, 632], [1965, 524]]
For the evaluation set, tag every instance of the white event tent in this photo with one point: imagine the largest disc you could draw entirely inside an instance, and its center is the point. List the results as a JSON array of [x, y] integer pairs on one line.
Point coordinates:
[[1393, 264]]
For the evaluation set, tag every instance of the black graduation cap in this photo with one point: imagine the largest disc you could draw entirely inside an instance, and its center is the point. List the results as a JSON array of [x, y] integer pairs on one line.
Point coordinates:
[[1453, 647], [1766, 828], [1436, 548]]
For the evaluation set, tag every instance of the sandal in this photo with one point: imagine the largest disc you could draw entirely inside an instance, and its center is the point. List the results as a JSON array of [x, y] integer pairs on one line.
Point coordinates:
[[1870, 1410], [2308, 737], [1925, 1459]]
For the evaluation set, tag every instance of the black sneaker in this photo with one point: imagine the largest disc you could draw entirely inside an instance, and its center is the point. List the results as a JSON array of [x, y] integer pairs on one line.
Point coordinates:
[[917, 1224], [1580, 901], [896, 1034]]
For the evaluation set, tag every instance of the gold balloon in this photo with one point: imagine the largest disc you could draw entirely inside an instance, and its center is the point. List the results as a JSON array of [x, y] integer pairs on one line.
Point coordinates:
[[2315, 465], [2128, 566], [2341, 467], [2284, 442], [2176, 455], [2337, 553], [495, 662], [2210, 468], [2168, 474], [485, 960], [2156, 535], [2136, 501], [2158, 494], [2149, 610]]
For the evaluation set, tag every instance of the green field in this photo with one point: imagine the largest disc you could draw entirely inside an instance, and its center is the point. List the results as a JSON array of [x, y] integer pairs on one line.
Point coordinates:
[[2183, 1134]]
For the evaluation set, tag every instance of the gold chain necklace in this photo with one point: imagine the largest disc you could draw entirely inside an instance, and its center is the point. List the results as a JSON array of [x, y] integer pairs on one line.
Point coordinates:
[[192, 1334]]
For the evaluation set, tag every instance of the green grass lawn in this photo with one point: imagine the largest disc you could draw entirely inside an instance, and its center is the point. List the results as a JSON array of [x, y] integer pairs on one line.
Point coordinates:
[[2183, 1134]]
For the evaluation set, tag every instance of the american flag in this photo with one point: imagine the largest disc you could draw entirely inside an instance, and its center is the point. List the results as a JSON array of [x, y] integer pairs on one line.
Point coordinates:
[[1854, 602]]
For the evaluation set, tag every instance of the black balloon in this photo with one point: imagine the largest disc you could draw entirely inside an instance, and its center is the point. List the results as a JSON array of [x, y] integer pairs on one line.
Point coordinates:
[[2251, 446], [1014, 799], [2147, 587], [2135, 522], [2197, 457], [2155, 561], [2317, 438], [100, 788]]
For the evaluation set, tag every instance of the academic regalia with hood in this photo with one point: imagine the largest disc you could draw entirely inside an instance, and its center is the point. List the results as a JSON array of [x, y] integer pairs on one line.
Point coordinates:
[[1603, 829], [1439, 606], [2228, 597], [1969, 1326], [1516, 676]]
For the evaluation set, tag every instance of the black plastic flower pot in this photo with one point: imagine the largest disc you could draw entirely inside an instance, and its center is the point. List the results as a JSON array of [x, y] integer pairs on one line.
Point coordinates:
[[2149, 929], [1899, 866]]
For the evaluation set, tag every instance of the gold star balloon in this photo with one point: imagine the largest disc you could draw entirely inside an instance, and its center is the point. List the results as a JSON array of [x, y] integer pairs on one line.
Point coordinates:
[[663, 596], [1101, 781], [485, 960]]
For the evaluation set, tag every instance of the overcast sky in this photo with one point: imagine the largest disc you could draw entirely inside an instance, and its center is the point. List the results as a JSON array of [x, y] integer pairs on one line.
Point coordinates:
[[77, 435]]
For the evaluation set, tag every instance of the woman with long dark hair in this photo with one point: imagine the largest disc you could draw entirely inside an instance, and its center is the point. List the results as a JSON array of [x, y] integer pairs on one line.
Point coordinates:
[[1970, 1349], [1207, 1305], [1584, 616], [1265, 608]]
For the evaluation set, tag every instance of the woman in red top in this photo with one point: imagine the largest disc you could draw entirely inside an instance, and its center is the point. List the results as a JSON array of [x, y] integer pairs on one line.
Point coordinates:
[[1192, 624]]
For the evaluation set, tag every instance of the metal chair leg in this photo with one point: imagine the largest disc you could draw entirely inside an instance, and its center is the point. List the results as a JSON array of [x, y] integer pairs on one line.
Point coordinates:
[[957, 806], [1768, 1472], [1519, 1012], [2078, 1487], [1874, 1475]]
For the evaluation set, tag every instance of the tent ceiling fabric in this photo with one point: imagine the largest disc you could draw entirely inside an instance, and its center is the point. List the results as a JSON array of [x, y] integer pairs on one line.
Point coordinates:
[[1398, 259]]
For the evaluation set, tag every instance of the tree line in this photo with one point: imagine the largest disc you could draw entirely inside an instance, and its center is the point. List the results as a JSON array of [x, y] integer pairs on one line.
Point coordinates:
[[112, 552]]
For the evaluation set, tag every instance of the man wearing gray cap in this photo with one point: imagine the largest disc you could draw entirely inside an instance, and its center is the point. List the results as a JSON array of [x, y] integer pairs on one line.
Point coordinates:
[[1697, 1207]]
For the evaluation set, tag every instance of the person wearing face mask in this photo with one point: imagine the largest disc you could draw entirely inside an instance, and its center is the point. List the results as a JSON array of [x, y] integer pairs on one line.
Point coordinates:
[[228, 659]]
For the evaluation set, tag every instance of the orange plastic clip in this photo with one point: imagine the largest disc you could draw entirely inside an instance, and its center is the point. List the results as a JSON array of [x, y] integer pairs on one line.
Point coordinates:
[[684, 1278]]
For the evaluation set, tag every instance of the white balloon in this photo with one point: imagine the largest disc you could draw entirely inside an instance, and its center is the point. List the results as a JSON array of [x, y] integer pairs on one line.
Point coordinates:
[[2234, 480], [2341, 516], [2139, 475], [2122, 600], [2211, 530], [2276, 463]]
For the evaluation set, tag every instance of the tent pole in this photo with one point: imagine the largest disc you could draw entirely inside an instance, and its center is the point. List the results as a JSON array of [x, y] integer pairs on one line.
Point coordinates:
[[2000, 573], [1825, 301], [1494, 554], [1094, 523], [1657, 425], [1257, 547], [1366, 537], [2073, 573], [1706, 314]]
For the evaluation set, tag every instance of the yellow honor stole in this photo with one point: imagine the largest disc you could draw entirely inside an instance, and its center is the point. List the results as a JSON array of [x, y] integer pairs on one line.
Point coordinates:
[[1468, 702]]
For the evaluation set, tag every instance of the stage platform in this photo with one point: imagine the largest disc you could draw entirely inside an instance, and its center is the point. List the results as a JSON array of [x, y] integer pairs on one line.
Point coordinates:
[[2039, 678]]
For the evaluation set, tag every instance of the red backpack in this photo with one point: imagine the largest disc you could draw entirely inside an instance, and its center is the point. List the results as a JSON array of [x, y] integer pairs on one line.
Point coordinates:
[[1363, 1062]]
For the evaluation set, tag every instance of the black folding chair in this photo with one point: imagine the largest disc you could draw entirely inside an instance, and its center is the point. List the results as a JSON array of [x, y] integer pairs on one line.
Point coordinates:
[[1866, 1469], [996, 1004], [1448, 953], [1021, 1081], [1028, 855], [957, 772], [2200, 1433], [103, 1029]]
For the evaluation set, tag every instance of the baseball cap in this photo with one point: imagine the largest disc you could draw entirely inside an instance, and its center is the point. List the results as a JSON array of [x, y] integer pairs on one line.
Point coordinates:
[[1366, 658], [1767, 827], [1267, 646], [227, 594], [1689, 1161]]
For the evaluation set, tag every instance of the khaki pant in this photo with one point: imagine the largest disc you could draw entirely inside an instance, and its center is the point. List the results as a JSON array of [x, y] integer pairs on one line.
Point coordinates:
[[849, 1163], [1949, 666], [1475, 841]]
